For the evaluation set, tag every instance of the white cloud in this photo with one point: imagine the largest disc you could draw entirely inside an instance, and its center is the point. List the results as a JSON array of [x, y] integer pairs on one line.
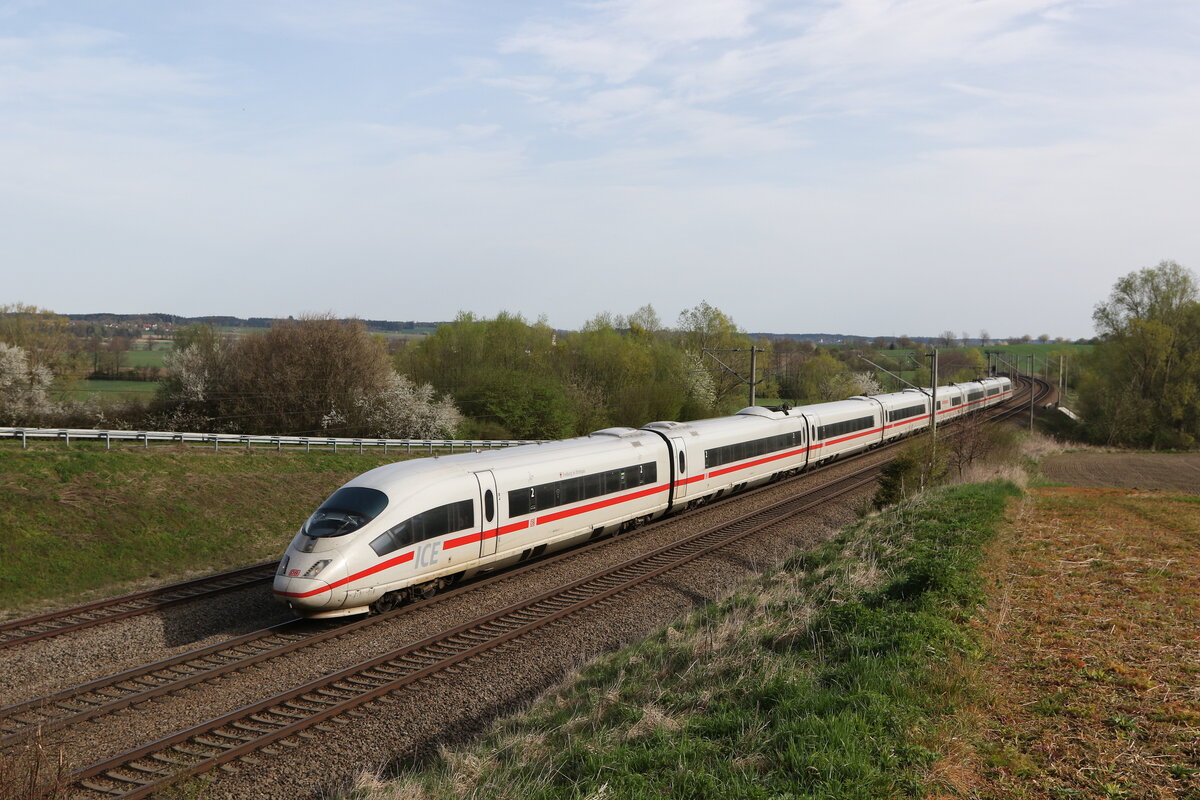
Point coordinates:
[[88, 65], [622, 38], [348, 21]]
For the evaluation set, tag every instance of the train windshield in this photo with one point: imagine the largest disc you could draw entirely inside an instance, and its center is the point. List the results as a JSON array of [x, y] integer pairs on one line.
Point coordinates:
[[346, 510]]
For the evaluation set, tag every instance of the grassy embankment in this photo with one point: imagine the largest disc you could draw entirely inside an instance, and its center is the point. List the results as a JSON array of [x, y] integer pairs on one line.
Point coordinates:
[[82, 520], [826, 679]]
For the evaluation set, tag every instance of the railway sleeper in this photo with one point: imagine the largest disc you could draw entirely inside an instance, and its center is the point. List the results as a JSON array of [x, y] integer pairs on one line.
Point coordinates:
[[175, 762], [228, 743], [96, 786], [321, 699], [148, 769], [277, 713], [357, 682], [183, 749]]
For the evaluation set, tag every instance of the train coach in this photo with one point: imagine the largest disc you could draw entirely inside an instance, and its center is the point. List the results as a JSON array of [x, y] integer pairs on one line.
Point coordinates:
[[406, 530]]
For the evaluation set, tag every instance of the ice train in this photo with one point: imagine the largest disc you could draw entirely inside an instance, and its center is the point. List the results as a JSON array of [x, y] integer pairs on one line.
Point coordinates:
[[406, 530]]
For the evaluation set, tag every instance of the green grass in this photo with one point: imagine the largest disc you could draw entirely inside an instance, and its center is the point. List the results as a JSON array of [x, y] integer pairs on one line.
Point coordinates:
[[146, 358], [111, 391], [81, 520], [826, 680]]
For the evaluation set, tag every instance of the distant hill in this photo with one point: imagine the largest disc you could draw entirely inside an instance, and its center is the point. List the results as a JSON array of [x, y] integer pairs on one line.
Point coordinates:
[[847, 338], [163, 323], [176, 321]]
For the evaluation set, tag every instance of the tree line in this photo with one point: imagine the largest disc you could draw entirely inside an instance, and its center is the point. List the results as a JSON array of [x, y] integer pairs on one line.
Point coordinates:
[[503, 377], [506, 377]]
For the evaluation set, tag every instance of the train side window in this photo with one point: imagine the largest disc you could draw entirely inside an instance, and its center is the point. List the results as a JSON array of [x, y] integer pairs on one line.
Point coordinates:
[[489, 505], [682, 467], [392, 540], [614, 481], [570, 491], [518, 502], [418, 528]]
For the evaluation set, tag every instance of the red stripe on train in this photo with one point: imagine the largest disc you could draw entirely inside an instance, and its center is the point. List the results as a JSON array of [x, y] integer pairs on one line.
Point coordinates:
[[380, 567]]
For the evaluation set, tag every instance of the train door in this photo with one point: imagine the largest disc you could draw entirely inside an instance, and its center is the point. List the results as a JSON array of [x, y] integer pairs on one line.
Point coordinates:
[[489, 517], [680, 467]]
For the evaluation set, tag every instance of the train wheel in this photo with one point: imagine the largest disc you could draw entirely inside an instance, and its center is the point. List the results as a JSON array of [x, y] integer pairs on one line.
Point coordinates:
[[390, 602]]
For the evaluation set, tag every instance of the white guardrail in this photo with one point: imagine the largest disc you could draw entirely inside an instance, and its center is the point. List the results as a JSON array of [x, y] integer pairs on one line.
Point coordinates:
[[278, 442]]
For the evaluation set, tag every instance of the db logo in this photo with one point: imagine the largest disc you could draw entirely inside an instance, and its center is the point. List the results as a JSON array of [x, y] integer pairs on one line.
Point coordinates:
[[294, 573]]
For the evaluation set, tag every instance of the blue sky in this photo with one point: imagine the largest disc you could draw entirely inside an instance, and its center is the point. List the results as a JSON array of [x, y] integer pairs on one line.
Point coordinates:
[[862, 166]]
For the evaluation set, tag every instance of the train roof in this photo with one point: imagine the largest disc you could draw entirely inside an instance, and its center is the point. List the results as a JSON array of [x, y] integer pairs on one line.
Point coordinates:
[[438, 468]]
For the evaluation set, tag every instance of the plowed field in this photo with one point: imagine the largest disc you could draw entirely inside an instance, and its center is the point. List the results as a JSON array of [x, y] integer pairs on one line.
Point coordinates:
[[1177, 472]]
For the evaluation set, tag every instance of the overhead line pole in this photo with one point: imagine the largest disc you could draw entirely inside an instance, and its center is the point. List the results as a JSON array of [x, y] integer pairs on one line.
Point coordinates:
[[754, 351], [1031, 383]]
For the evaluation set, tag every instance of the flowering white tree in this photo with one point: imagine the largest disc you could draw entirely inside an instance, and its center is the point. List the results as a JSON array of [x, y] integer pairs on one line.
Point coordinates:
[[23, 388], [840, 385], [700, 385], [402, 409], [190, 370]]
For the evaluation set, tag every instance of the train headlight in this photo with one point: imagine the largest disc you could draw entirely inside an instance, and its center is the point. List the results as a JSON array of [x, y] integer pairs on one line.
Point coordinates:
[[316, 568], [283, 566]]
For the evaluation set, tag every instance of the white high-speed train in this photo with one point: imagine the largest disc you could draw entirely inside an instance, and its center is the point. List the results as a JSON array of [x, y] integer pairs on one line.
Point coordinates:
[[406, 530]]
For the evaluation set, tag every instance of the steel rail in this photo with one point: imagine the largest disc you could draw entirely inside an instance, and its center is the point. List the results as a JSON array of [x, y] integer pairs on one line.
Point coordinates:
[[144, 770]]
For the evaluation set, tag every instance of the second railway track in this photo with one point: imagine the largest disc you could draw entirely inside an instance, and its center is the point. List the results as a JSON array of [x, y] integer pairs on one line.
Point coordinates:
[[77, 618]]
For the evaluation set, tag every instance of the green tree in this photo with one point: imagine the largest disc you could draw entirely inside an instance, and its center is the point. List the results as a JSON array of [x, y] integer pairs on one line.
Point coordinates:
[[1141, 385], [706, 328], [502, 372], [44, 336]]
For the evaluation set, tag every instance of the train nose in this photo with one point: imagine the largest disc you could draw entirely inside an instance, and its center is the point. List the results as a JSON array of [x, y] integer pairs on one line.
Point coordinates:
[[304, 591]]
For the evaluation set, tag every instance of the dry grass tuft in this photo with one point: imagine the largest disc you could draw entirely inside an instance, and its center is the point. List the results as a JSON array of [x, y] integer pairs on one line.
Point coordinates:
[[653, 719]]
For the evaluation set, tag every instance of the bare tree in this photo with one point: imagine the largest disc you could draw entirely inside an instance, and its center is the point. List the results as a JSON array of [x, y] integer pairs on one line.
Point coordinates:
[[971, 441]]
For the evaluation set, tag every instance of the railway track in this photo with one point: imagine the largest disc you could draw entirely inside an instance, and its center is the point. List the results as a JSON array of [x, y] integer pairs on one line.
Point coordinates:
[[77, 618], [335, 699], [56, 623]]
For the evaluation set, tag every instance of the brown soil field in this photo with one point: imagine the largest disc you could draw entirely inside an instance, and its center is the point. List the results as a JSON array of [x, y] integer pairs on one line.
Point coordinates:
[[1177, 472], [1089, 683]]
